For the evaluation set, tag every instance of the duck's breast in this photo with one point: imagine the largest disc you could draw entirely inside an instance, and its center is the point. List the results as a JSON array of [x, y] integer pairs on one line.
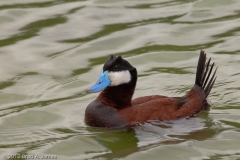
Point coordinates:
[[100, 115]]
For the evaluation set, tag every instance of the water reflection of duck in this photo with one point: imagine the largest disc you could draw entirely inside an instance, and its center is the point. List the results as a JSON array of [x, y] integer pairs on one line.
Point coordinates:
[[114, 106]]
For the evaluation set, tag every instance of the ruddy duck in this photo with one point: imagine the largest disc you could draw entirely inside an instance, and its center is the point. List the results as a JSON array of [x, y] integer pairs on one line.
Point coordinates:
[[114, 106]]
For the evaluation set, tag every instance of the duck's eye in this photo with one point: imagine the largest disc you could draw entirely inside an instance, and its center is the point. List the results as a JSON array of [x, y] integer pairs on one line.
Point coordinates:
[[99, 82], [115, 67]]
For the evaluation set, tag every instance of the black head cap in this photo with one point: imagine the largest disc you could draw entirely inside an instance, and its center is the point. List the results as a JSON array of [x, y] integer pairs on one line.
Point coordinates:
[[115, 64]]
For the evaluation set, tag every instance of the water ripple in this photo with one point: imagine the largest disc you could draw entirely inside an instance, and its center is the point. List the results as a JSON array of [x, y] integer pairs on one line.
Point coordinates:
[[52, 50]]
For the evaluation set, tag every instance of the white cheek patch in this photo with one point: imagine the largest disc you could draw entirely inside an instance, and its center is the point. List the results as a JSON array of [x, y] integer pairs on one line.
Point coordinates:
[[118, 78]]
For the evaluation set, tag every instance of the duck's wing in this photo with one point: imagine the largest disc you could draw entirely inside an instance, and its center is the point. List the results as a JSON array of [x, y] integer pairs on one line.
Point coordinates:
[[161, 108], [166, 108], [141, 100]]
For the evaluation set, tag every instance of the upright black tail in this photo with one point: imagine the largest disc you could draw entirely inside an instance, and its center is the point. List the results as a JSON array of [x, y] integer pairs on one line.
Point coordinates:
[[203, 74]]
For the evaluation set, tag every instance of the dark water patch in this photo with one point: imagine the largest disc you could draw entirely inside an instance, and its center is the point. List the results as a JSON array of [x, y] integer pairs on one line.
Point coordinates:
[[153, 48], [64, 131], [28, 5], [28, 74], [6, 84], [80, 71], [224, 18], [231, 123], [236, 74], [161, 4], [20, 108], [32, 29], [229, 105], [227, 52], [108, 29], [229, 33], [74, 10], [144, 75], [127, 143], [38, 25], [12, 81], [171, 70], [152, 5], [223, 156], [143, 50], [37, 4]]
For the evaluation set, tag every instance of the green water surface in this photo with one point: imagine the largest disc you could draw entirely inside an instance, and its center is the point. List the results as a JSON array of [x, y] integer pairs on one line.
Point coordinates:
[[51, 51]]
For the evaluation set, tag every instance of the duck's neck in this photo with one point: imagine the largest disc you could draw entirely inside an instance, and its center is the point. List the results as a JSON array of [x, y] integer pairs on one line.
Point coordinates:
[[119, 96]]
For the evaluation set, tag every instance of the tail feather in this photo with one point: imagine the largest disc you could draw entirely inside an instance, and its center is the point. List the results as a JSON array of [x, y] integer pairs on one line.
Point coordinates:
[[203, 74], [205, 80], [205, 83]]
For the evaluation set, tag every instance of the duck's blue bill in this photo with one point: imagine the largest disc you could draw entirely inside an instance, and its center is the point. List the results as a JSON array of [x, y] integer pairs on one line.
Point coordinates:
[[101, 83]]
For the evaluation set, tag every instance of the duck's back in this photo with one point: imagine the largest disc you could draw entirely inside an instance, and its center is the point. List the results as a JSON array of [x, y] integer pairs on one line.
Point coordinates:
[[164, 108]]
